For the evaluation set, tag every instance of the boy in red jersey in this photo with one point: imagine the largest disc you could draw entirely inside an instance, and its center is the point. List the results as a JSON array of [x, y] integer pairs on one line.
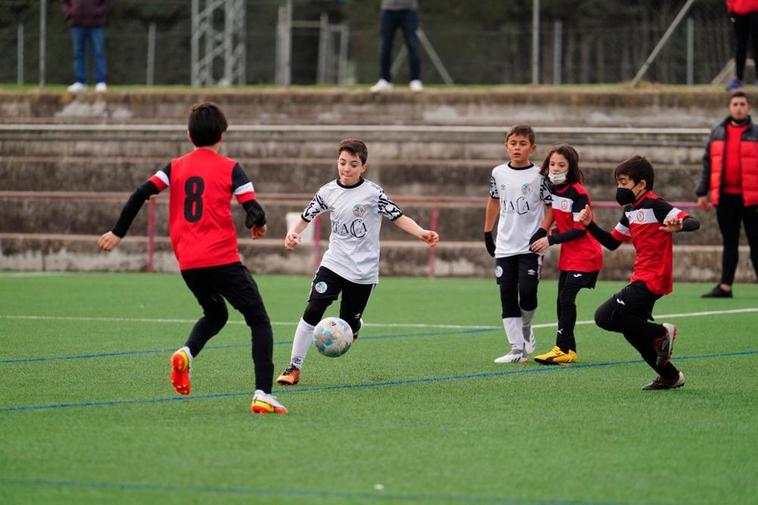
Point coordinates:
[[648, 222], [580, 259], [201, 185]]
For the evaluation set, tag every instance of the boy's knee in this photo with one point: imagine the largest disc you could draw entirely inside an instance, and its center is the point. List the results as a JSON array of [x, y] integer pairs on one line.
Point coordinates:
[[217, 315], [604, 317], [314, 311]]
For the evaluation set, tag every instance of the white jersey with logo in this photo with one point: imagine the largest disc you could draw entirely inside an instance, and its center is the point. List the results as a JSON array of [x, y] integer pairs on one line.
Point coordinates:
[[356, 218], [523, 194]]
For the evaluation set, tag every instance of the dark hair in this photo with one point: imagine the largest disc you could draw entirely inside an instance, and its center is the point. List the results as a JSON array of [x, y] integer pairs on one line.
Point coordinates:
[[355, 147], [568, 152], [637, 169], [738, 94], [206, 124], [522, 130]]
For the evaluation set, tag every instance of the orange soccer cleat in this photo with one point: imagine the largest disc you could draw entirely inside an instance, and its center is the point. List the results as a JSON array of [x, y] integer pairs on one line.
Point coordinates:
[[181, 363], [264, 403]]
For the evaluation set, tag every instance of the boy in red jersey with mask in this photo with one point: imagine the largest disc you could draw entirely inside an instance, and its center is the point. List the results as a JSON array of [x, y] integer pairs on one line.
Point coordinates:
[[648, 222]]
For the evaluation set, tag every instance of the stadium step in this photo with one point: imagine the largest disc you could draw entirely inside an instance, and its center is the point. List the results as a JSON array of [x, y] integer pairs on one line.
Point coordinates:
[[457, 219], [413, 177], [68, 252]]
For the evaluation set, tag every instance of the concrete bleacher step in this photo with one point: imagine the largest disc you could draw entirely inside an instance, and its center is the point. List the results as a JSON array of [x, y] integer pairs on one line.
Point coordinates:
[[68, 252], [609, 145], [658, 106], [86, 213], [420, 177]]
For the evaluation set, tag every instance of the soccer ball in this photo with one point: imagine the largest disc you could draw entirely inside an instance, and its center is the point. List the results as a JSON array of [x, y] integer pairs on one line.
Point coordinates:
[[332, 337]]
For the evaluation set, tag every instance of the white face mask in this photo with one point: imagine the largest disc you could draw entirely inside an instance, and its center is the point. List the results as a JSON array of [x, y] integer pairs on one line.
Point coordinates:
[[557, 179]]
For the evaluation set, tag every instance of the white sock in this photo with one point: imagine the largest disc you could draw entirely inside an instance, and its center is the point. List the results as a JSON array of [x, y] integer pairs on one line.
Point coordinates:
[[301, 342], [514, 331], [526, 321]]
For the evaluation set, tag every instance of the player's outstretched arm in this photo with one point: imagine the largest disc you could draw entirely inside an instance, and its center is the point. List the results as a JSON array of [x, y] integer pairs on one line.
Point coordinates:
[[410, 226], [602, 236], [111, 239], [292, 239]]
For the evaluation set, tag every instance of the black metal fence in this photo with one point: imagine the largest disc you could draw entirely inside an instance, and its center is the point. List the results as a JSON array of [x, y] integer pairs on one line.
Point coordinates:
[[472, 52]]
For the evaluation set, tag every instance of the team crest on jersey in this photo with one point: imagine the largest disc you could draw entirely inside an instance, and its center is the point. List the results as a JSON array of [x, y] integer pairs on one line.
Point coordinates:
[[564, 204], [320, 287], [640, 216], [526, 188], [359, 210], [498, 271]]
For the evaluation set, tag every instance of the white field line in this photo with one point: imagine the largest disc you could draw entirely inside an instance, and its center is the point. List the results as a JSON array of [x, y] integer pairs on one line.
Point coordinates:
[[659, 317], [11, 275]]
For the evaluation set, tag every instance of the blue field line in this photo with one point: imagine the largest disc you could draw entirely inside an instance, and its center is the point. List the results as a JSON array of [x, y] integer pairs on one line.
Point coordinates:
[[367, 385], [380, 496], [47, 359]]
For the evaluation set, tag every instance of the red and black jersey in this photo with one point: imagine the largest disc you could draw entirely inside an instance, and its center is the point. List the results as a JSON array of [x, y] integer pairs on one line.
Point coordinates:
[[202, 184], [654, 248], [582, 254]]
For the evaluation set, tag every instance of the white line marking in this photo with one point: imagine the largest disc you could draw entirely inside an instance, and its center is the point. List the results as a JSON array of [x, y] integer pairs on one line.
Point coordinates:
[[377, 325], [34, 274]]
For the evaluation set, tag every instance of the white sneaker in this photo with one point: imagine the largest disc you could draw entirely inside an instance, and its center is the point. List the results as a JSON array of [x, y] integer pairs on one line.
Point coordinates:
[[530, 341], [515, 356], [264, 403], [101, 87], [77, 87], [381, 86], [416, 86]]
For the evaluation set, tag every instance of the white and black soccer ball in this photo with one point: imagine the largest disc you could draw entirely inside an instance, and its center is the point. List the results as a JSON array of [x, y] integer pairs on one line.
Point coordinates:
[[333, 337]]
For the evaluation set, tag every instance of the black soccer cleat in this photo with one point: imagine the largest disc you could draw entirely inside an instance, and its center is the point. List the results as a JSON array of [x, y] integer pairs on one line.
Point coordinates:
[[661, 383]]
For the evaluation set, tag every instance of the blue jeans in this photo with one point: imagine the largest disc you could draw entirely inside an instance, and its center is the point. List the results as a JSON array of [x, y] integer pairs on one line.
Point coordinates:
[[95, 36], [407, 21]]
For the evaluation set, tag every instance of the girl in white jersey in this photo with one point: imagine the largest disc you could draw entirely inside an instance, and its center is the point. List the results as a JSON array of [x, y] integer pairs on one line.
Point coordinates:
[[350, 265], [519, 201]]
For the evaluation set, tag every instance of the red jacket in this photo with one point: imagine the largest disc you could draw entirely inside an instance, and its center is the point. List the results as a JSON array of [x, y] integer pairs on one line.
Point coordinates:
[[714, 159], [86, 13], [741, 7]]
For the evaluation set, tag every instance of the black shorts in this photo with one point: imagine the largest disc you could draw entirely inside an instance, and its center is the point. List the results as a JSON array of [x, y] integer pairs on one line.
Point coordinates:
[[521, 267], [637, 299], [232, 282], [327, 286], [578, 279]]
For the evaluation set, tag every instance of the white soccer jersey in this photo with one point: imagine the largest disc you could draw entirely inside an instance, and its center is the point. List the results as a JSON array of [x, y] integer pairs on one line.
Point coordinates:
[[356, 218], [523, 194]]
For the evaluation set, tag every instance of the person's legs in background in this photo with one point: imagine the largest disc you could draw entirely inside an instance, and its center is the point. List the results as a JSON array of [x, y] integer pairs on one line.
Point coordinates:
[[409, 25], [387, 26], [741, 34], [729, 216], [97, 39], [750, 218], [79, 42]]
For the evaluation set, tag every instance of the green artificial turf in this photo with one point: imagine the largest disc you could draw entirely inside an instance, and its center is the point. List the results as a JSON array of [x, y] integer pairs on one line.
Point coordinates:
[[416, 412]]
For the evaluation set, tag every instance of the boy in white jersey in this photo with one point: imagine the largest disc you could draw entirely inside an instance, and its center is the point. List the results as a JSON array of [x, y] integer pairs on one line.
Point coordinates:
[[520, 196], [351, 263]]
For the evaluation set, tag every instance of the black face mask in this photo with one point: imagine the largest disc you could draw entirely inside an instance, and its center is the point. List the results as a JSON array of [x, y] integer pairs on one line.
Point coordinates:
[[625, 196]]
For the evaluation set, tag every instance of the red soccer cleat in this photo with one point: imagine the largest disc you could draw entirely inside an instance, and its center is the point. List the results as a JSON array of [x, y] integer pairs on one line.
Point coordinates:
[[181, 363]]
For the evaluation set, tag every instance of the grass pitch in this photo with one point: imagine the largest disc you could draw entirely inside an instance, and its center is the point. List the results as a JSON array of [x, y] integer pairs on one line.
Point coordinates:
[[415, 413]]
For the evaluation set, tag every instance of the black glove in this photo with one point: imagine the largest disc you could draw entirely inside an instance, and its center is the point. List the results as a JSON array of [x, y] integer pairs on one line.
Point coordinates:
[[255, 214], [489, 243], [540, 233]]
